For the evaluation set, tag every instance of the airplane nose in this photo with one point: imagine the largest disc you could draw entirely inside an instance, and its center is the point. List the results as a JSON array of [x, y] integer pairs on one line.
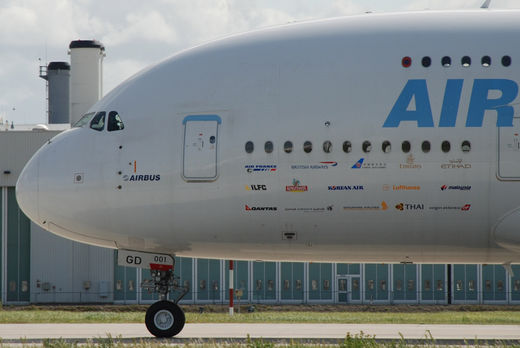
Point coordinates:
[[27, 189]]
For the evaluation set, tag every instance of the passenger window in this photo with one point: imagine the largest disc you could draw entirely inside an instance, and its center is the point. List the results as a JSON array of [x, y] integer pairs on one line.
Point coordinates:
[[347, 146], [445, 146], [446, 62], [426, 61], [367, 146], [327, 146], [98, 122], [426, 146], [307, 146], [506, 61], [115, 122], [268, 146], [466, 146], [288, 147], [250, 147], [386, 147], [486, 61], [405, 146], [84, 120], [465, 61]]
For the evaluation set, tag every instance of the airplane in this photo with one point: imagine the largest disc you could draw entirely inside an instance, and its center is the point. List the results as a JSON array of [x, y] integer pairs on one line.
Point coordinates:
[[370, 138]]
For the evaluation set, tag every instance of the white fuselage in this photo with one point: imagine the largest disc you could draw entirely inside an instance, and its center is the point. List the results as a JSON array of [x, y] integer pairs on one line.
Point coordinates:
[[162, 184]]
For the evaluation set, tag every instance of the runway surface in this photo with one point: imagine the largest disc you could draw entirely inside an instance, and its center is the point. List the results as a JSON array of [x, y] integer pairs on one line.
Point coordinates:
[[305, 332]]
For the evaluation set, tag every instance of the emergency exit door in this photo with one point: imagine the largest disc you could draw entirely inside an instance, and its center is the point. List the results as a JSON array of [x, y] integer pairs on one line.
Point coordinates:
[[200, 157], [509, 151]]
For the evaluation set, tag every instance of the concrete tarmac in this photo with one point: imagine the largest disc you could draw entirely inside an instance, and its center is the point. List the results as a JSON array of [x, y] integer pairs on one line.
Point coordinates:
[[304, 332]]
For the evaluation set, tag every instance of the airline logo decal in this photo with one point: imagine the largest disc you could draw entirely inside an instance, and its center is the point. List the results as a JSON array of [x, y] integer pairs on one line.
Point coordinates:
[[368, 165], [410, 163], [455, 187], [465, 207], [321, 165], [346, 188], [256, 187], [251, 168], [296, 187], [383, 206], [456, 164], [248, 208], [402, 187], [409, 206], [413, 103], [326, 209], [138, 177]]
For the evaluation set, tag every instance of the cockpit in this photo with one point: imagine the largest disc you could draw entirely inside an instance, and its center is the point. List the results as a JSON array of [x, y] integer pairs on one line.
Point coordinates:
[[97, 120]]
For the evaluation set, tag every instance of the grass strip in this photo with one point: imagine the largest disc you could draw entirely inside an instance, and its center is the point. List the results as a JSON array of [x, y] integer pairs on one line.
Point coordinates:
[[447, 317]]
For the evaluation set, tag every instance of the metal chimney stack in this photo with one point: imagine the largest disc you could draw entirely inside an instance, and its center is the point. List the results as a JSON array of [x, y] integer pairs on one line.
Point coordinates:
[[57, 75], [86, 59]]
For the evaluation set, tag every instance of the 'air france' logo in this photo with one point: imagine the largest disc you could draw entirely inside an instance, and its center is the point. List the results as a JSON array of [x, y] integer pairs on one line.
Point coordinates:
[[413, 104]]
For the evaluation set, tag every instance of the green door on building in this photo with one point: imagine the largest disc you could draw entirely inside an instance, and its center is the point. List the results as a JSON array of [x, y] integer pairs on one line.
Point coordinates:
[[404, 282], [493, 284], [125, 282], [348, 276], [264, 281], [208, 280], [433, 283], [292, 281], [376, 282], [18, 251], [320, 281], [465, 283]]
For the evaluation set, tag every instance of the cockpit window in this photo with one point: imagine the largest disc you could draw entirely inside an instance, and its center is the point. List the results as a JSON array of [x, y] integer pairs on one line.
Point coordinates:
[[98, 122], [84, 120], [115, 122]]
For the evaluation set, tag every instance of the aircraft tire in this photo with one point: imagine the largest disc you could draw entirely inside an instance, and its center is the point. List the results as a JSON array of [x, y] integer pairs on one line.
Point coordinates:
[[164, 319]]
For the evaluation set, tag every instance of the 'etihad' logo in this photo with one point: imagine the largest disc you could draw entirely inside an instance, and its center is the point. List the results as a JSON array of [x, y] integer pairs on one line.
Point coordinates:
[[248, 208], [456, 164], [296, 187], [139, 177]]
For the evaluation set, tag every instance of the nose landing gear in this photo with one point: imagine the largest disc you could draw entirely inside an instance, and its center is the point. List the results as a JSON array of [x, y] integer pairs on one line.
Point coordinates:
[[164, 318]]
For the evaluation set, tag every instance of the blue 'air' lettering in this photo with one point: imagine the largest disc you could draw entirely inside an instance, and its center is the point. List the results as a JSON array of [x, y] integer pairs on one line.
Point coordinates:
[[486, 94]]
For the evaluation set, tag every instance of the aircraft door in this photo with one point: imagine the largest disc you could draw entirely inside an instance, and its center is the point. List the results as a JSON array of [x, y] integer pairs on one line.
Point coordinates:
[[509, 151], [200, 156]]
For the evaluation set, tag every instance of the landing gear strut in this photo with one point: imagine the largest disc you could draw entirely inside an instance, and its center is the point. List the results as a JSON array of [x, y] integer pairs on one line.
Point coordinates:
[[164, 318]]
